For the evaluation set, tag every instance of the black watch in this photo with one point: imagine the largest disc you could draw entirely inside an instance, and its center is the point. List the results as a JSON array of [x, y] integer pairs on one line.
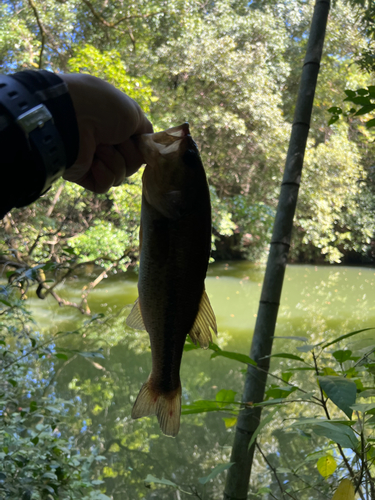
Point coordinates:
[[36, 122]]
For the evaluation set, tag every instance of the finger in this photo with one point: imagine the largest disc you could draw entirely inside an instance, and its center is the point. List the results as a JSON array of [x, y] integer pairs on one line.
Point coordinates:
[[99, 178], [133, 158], [114, 160]]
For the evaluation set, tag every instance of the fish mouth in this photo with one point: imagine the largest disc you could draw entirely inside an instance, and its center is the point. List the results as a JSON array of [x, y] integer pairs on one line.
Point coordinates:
[[173, 141]]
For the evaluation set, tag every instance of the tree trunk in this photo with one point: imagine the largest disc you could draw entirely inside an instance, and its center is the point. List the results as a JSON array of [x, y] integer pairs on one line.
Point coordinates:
[[238, 478]]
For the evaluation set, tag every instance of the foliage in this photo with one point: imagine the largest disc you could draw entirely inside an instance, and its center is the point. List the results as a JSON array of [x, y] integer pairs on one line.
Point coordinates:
[[110, 67], [342, 393], [39, 458], [232, 69]]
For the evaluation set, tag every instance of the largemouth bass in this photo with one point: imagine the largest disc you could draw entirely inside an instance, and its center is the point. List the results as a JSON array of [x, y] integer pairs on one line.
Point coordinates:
[[175, 239]]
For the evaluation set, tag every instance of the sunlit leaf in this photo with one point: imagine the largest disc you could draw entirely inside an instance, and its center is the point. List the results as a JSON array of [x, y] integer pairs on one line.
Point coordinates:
[[230, 422], [326, 466], [345, 491]]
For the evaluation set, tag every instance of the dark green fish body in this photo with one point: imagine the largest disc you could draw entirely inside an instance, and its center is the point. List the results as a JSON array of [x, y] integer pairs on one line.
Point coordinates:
[[175, 248]]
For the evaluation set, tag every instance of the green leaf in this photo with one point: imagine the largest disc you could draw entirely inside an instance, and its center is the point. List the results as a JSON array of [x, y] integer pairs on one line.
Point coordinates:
[[230, 422], [350, 94], [203, 406], [370, 123], [362, 101], [363, 407], [215, 472], [33, 406], [333, 119], [364, 110], [60, 355], [225, 396], [335, 110], [152, 479], [262, 424], [326, 466], [339, 433], [291, 337], [286, 355], [88, 354], [341, 391], [243, 358], [342, 355], [346, 336]]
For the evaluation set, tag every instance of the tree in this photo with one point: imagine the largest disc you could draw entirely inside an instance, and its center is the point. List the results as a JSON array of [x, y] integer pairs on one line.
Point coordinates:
[[248, 421]]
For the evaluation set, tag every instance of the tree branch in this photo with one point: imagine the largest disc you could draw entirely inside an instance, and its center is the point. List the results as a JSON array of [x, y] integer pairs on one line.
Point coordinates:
[[108, 24], [43, 32]]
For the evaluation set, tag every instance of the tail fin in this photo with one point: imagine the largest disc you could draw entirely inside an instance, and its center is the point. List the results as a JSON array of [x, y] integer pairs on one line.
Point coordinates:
[[167, 407]]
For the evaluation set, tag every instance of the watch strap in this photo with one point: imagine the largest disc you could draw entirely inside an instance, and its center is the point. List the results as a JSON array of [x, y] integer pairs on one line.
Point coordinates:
[[36, 122]]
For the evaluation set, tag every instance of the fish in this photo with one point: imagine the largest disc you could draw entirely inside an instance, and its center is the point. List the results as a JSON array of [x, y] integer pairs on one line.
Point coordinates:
[[175, 245]]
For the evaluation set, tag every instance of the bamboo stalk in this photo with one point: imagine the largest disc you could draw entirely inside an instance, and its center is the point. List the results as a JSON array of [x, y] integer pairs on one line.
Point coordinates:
[[238, 477]]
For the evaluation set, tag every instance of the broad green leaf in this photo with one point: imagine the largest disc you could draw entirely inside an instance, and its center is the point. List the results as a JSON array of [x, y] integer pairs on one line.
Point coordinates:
[[342, 355], [363, 407], [340, 434], [333, 119], [215, 472], [335, 110], [326, 466], [341, 391], [346, 336], [225, 396], [365, 109], [350, 94], [345, 491], [152, 479], [361, 100], [370, 123], [265, 421]]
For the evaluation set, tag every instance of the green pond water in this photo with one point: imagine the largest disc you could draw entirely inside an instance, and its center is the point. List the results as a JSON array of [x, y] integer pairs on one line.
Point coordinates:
[[318, 302]]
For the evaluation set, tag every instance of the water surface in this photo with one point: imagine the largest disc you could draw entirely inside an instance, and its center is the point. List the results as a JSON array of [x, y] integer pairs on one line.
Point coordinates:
[[318, 302]]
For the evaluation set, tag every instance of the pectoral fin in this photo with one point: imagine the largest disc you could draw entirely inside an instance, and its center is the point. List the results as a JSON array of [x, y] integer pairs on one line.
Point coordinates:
[[204, 323], [135, 320]]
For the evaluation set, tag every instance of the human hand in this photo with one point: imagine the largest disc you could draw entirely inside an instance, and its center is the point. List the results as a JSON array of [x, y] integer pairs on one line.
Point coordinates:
[[107, 119]]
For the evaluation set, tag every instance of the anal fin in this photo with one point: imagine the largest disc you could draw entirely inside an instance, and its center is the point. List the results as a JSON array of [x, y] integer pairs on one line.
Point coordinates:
[[204, 323], [135, 320]]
